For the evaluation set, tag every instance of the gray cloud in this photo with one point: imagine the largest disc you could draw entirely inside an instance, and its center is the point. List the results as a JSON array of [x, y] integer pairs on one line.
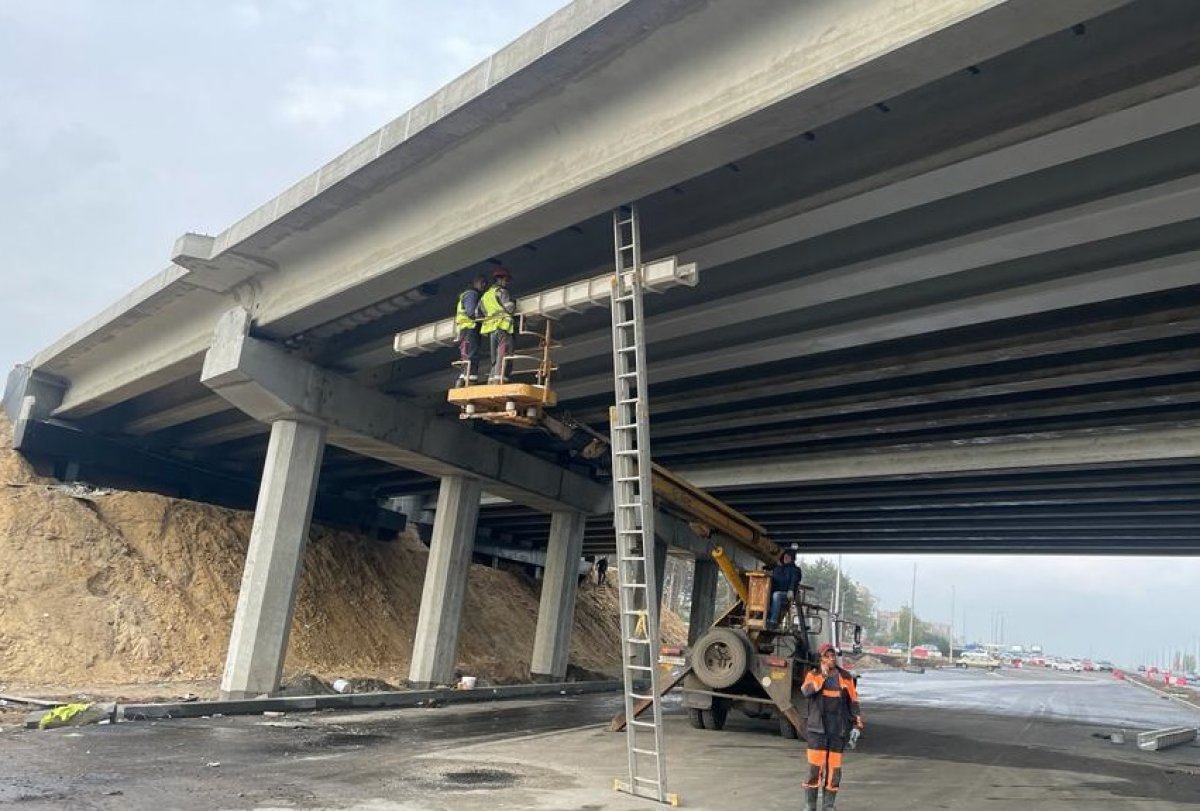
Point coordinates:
[[125, 125]]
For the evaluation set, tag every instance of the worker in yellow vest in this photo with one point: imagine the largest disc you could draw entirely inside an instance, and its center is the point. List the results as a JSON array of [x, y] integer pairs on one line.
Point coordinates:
[[498, 323], [467, 318]]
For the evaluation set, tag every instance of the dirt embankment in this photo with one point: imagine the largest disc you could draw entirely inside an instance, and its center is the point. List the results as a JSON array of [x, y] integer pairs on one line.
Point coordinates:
[[133, 587]]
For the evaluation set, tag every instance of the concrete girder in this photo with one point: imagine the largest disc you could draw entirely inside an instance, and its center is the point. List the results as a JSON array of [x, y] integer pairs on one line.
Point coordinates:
[[269, 384], [348, 236], [1071, 526], [974, 389], [998, 304], [919, 511], [1021, 545], [1029, 452], [1171, 202], [1043, 344], [804, 429]]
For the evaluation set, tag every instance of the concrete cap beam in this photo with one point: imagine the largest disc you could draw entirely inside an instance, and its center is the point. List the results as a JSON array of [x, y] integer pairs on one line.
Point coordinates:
[[269, 384]]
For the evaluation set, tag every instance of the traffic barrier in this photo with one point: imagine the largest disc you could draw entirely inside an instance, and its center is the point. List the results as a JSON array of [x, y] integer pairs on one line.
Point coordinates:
[[1163, 738]]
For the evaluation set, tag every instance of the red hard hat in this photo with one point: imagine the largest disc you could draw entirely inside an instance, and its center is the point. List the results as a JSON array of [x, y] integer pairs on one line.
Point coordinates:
[[824, 647], [501, 273]]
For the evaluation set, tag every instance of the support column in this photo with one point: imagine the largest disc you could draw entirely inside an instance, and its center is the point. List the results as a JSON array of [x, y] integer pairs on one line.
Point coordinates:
[[556, 611], [704, 598], [258, 642], [435, 646]]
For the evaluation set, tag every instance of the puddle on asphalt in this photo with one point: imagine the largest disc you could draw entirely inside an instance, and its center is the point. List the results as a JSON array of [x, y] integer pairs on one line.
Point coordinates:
[[480, 778]]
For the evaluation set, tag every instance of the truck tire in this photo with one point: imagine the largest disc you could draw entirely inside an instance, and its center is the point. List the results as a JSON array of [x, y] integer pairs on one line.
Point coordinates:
[[715, 718], [696, 718], [721, 657], [786, 730]]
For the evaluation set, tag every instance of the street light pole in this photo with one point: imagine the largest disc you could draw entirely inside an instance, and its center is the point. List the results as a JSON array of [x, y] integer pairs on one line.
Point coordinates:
[[837, 604], [912, 612], [952, 623]]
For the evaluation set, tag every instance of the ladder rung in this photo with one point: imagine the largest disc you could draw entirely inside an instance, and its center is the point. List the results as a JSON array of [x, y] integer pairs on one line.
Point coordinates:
[[633, 585], [635, 641], [626, 453], [649, 780], [627, 349], [642, 723], [639, 667], [628, 374], [653, 752]]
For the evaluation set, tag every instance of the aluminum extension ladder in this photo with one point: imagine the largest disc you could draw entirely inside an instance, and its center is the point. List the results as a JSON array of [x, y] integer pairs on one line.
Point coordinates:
[[633, 518]]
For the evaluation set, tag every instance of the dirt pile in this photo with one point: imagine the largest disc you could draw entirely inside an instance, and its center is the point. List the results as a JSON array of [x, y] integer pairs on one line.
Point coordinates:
[[121, 588]]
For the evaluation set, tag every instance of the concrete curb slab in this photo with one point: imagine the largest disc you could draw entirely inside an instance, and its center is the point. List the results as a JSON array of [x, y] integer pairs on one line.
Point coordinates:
[[338, 701]]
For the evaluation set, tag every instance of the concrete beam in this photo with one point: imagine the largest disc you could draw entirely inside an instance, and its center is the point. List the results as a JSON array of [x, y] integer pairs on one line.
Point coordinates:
[[263, 618], [556, 608], [992, 454], [269, 384], [435, 646], [998, 300]]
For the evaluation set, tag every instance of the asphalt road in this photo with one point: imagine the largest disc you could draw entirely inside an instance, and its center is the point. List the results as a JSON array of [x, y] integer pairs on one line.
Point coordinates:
[[928, 745]]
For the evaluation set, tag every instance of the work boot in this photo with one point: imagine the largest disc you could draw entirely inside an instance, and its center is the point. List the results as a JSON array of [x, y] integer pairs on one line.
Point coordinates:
[[810, 798], [830, 800]]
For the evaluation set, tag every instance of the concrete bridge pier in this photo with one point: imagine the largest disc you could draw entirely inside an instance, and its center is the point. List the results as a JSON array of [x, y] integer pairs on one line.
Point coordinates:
[[435, 645], [258, 641], [556, 611]]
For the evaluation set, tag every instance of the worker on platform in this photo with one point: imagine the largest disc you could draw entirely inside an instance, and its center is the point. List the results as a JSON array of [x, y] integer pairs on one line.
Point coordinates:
[[833, 711], [785, 579], [467, 317], [498, 323]]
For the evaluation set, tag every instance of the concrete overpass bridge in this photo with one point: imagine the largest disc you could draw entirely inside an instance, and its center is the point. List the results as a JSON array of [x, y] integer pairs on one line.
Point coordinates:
[[949, 297]]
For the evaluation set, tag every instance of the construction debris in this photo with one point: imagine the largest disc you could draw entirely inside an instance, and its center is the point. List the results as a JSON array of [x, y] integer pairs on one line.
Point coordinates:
[[78, 714]]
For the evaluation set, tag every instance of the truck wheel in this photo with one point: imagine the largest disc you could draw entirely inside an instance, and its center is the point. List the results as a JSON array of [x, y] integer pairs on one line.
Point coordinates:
[[721, 657], [696, 718], [715, 717], [786, 730]]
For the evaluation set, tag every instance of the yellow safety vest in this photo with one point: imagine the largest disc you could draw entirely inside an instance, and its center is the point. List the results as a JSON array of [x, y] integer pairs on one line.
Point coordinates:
[[463, 319], [495, 317]]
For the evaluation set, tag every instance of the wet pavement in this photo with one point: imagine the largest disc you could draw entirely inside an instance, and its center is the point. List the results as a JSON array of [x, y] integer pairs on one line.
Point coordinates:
[[928, 745]]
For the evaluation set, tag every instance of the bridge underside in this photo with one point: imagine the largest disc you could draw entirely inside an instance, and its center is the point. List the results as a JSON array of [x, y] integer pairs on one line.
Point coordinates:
[[961, 318]]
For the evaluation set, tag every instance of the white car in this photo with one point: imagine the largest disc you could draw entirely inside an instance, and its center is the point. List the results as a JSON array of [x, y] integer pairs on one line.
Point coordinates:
[[1069, 665]]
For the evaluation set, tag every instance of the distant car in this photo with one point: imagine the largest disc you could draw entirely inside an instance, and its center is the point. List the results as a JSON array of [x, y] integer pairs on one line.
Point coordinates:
[[1067, 665], [1087, 665], [1105, 666], [979, 659]]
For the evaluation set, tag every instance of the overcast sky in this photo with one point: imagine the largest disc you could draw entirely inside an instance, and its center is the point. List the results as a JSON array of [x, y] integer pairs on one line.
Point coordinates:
[[125, 124]]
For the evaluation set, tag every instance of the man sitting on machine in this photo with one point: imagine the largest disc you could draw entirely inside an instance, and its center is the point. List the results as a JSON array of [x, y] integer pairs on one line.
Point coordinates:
[[785, 579]]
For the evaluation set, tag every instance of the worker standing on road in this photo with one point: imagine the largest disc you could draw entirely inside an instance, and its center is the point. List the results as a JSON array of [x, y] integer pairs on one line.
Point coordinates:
[[498, 309], [467, 316], [785, 579], [833, 711]]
